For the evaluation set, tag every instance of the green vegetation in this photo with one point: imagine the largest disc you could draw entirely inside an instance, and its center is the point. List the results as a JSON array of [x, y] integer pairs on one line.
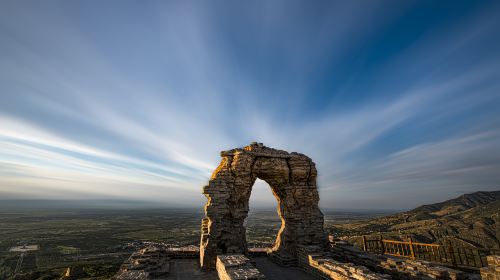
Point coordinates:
[[94, 243]]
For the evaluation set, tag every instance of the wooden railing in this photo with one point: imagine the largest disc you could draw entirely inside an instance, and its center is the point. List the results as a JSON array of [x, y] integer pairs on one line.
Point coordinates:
[[448, 254]]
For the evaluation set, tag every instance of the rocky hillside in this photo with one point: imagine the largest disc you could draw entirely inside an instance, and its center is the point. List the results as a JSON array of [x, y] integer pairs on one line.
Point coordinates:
[[471, 219], [454, 206]]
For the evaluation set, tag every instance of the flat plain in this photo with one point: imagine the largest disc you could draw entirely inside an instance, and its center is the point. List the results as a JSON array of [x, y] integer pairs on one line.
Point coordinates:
[[97, 241]]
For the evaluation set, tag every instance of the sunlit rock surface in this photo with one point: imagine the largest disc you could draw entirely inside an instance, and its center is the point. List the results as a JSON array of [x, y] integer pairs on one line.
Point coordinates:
[[145, 264], [492, 271], [292, 177], [237, 267]]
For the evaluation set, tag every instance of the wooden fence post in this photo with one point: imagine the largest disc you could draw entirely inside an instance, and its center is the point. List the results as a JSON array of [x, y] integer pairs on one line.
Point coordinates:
[[382, 245], [365, 248], [412, 252]]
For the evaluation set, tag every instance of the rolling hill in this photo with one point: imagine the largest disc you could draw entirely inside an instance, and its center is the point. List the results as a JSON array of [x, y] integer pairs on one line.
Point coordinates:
[[472, 219]]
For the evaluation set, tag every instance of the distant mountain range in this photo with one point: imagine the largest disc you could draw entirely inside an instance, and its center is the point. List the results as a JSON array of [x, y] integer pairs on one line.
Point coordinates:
[[472, 219]]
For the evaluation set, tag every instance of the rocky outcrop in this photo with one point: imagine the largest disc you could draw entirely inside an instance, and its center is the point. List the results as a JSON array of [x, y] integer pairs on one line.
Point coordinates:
[[292, 177]]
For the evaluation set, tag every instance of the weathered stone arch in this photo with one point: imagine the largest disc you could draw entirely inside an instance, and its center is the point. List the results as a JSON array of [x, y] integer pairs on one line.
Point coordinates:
[[292, 177]]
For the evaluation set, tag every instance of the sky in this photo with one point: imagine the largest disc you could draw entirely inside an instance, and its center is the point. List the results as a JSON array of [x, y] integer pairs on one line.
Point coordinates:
[[397, 102]]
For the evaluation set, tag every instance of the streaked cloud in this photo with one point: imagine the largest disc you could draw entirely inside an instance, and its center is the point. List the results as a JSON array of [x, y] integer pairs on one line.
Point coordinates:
[[397, 104]]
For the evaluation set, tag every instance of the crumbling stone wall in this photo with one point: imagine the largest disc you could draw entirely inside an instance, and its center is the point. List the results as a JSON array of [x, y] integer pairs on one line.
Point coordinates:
[[397, 268], [148, 263], [492, 271], [320, 264], [292, 177]]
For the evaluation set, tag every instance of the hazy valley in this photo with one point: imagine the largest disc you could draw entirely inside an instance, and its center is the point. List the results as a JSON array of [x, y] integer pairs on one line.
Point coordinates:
[[98, 241]]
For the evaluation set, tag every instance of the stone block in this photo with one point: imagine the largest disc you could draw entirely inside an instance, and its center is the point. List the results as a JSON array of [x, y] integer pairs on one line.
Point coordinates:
[[236, 267]]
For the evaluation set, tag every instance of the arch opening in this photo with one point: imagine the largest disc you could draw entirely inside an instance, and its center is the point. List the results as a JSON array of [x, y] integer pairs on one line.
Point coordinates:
[[263, 222]]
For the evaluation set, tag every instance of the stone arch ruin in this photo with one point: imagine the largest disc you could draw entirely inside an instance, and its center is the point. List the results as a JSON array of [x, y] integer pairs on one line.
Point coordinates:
[[292, 178]]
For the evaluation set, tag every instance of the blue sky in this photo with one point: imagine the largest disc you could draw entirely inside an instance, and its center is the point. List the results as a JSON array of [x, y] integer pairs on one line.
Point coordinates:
[[397, 102]]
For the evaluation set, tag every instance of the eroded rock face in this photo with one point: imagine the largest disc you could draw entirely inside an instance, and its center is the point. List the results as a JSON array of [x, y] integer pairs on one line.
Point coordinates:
[[292, 177]]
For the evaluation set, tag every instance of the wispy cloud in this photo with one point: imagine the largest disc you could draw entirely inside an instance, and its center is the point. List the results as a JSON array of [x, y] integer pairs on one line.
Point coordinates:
[[392, 104]]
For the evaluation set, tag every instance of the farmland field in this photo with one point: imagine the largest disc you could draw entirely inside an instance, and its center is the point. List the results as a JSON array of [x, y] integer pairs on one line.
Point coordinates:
[[98, 241]]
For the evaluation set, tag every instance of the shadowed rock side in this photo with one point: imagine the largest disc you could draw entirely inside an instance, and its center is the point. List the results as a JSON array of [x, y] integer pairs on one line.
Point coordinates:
[[292, 177]]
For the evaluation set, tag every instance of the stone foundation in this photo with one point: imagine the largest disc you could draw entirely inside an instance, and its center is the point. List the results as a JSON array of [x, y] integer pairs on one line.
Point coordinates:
[[145, 264], [185, 252], [337, 262], [236, 267], [398, 268], [321, 265], [492, 271]]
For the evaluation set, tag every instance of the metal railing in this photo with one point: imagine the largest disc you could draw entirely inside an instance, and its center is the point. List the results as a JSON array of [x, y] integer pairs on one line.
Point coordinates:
[[448, 254]]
